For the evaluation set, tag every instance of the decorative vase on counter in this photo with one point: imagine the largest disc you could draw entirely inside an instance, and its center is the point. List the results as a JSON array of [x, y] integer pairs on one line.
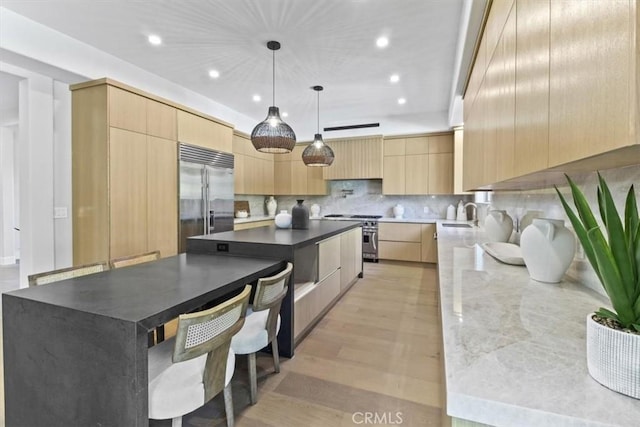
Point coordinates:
[[283, 219], [498, 226], [272, 205], [315, 210], [300, 216], [547, 249], [398, 211]]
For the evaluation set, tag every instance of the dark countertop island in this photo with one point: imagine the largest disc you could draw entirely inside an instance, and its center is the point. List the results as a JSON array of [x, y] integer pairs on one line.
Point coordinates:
[[295, 246], [75, 351]]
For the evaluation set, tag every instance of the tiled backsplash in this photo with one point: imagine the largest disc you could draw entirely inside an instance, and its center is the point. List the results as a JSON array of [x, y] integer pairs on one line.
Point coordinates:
[[362, 197], [547, 201]]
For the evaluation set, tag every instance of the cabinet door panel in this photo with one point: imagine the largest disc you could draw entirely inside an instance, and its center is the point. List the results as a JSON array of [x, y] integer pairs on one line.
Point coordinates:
[[127, 110], [161, 120], [399, 251], [429, 251], [441, 144], [298, 177], [328, 256], [202, 132], [282, 178], [394, 147], [417, 145], [505, 133], [128, 192], [417, 174], [393, 181], [162, 196], [315, 182], [239, 173], [532, 87], [399, 232], [440, 173], [589, 115]]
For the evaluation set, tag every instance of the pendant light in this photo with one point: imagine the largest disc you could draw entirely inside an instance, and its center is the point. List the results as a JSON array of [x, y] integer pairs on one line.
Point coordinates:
[[273, 135], [318, 153]]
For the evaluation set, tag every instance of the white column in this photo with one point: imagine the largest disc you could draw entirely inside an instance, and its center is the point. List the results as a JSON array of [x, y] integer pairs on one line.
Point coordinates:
[[36, 176], [7, 198], [63, 229]]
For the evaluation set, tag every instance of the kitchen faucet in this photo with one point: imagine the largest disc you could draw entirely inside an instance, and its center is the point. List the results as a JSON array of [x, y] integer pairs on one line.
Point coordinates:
[[474, 216]]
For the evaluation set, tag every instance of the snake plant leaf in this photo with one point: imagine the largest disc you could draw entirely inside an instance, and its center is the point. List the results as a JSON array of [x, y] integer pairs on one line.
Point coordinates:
[[611, 279], [584, 210], [636, 326], [580, 229], [631, 214], [617, 240], [603, 212], [607, 314]]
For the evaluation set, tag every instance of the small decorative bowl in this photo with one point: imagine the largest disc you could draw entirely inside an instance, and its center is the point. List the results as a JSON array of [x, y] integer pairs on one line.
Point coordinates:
[[242, 214]]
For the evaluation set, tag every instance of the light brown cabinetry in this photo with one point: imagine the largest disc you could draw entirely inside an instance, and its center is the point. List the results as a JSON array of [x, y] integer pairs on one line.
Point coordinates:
[[253, 224], [203, 132], [124, 176], [399, 241], [253, 170], [418, 164], [350, 257], [429, 249], [407, 242], [552, 90], [292, 177], [356, 158]]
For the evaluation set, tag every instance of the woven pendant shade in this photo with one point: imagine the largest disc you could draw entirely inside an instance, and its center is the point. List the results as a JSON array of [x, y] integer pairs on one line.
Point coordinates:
[[318, 153], [273, 135]]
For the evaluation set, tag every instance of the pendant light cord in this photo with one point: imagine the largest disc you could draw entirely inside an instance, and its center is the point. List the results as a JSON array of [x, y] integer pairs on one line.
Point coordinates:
[[274, 78], [318, 111]]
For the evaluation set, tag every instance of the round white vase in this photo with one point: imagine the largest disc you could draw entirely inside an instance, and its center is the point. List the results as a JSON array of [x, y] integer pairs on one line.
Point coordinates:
[[272, 205], [283, 219], [315, 210], [547, 249], [498, 225], [398, 211]]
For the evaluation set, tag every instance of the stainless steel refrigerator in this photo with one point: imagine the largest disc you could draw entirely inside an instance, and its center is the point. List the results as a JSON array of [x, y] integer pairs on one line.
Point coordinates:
[[206, 192]]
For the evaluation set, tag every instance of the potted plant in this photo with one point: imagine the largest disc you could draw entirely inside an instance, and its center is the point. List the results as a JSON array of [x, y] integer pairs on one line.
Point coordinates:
[[613, 337]]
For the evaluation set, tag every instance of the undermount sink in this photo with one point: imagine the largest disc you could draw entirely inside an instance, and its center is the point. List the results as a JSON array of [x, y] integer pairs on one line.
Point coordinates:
[[457, 225]]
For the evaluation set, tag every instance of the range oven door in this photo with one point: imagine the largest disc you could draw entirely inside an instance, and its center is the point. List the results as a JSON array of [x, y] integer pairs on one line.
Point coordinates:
[[370, 243]]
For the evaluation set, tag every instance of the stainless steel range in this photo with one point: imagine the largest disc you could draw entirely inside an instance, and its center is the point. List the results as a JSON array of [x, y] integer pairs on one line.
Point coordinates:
[[369, 233]]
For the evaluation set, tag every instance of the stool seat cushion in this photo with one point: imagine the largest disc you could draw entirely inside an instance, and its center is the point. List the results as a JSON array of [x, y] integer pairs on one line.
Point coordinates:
[[176, 389], [253, 335]]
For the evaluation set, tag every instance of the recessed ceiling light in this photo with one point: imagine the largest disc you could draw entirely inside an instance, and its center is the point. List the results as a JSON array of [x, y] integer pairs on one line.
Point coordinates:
[[402, 101], [394, 78], [154, 40], [285, 114], [382, 42], [257, 98], [214, 74]]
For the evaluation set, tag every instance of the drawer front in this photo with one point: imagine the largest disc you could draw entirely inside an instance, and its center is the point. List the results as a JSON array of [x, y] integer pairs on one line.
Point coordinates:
[[309, 307], [254, 224], [400, 251], [399, 232], [328, 257]]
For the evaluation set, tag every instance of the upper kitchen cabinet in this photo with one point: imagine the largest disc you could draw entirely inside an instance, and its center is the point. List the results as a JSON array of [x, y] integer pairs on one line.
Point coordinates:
[[204, 132], [253, 171], [552, 90], [292, 177], [418, 164], [356, 158]]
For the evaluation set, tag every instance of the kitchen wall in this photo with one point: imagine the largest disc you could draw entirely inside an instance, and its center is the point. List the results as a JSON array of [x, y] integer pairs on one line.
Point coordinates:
[[362, 197], [547, 202]]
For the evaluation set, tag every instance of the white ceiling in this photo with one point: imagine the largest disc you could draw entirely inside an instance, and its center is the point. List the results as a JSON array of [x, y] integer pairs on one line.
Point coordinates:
[[324, 42]]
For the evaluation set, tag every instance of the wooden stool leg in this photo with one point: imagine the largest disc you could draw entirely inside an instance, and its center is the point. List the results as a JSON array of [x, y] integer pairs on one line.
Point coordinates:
[[276, 356], [228, 405], [253, 380], [150, 339], [159, 334]]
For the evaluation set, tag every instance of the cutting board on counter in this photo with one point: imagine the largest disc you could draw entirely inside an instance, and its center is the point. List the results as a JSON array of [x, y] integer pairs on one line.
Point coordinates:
[[241, 205]]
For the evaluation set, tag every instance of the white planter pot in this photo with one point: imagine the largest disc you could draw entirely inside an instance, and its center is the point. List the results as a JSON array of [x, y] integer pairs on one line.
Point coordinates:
[[498, 225], [613, 358], [547, 249]]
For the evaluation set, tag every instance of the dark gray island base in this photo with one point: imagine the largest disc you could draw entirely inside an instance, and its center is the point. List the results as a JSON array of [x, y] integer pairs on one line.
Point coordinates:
[[296, 246], [75, 352]]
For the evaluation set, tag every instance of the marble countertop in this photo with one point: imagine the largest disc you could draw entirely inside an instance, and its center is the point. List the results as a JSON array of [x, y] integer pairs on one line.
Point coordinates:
[[514, 348], [252, 218]]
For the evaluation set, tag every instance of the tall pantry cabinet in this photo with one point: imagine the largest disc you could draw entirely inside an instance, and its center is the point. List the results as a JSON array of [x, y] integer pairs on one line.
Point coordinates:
[[124, 169]]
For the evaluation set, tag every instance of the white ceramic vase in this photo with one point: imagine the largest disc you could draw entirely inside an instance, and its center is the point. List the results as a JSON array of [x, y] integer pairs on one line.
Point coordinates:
[[612, 358], [283, 219], [315, 210], [272, 205], [398, 211], [498, 225], [547, 249]]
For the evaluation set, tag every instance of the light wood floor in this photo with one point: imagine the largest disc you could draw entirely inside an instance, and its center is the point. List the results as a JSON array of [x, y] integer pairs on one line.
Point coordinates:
[[377, 351]]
